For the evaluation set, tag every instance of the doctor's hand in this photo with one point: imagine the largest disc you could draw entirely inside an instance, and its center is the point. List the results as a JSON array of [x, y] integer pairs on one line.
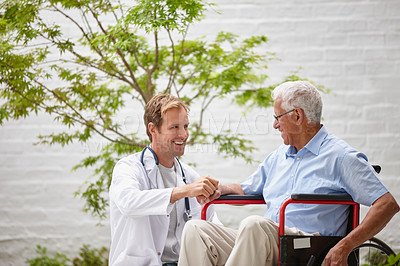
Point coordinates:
[[203, 200], [204, 186]]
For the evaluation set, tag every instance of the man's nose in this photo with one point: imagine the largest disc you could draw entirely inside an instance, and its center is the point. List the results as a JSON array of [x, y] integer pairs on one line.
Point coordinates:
[[183, 132], [275, 124]]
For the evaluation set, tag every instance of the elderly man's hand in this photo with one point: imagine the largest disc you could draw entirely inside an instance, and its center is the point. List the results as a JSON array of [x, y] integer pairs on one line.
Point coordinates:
[[337, 256]]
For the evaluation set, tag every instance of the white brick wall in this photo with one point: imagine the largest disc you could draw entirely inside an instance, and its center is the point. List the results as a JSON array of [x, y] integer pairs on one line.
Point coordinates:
[[351, 47]]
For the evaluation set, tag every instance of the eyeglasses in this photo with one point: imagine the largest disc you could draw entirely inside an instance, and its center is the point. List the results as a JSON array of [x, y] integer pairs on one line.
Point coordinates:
[[279, 116]]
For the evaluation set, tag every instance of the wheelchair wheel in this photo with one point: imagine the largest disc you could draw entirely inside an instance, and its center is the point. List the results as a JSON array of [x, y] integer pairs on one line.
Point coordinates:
[[372, 252]]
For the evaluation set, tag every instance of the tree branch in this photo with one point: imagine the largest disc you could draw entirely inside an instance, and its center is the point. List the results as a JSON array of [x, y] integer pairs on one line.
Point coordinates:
[[122, 57], [98, 51], [175, 67]]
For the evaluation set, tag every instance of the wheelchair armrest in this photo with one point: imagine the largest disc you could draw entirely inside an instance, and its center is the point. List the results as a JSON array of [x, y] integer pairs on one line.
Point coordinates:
[[234, 200], [328, 197], [241, 197], [341, 199]]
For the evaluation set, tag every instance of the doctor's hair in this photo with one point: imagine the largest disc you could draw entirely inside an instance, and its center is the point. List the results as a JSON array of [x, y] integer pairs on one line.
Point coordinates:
[[157, 107], [300, 94]]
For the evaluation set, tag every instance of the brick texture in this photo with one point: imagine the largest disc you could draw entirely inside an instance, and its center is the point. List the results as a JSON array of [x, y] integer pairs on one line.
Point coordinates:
[[350, 47]]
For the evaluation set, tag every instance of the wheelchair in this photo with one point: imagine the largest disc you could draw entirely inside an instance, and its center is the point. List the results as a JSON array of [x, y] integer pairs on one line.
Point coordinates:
[[311, 250]]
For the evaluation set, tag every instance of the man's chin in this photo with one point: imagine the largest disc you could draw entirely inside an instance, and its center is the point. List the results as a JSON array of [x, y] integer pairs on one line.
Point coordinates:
[[179, 151]]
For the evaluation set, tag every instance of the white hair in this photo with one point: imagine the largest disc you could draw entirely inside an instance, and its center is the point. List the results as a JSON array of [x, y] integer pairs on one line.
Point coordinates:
[[300, 94]]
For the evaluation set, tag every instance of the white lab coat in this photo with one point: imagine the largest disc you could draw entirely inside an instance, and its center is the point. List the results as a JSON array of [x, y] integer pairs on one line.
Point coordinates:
[[139, 211]]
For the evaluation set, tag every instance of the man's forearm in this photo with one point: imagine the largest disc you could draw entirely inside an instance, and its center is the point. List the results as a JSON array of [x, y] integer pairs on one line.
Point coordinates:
[[231, 189], [179, 193], [377, 217]]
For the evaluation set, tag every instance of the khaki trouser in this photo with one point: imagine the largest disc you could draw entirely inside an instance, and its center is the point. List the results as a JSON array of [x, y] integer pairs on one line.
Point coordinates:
[[255, 243]]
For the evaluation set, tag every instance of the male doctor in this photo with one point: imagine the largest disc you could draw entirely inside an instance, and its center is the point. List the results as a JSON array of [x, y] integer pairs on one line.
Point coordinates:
[[152, 194]]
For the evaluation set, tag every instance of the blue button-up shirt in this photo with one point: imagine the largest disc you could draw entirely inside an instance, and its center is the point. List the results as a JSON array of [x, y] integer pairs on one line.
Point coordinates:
[[326, 165]]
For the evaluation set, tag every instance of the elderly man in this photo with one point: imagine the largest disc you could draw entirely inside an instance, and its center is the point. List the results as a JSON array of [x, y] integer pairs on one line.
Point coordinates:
[[310, 161], [152, 194]]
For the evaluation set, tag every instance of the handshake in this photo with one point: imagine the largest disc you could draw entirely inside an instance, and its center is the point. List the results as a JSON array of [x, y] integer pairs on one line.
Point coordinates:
[[207, 189], [204, 188]]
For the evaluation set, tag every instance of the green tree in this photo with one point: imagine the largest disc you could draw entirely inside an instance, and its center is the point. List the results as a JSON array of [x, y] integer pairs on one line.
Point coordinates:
[[120, 55]]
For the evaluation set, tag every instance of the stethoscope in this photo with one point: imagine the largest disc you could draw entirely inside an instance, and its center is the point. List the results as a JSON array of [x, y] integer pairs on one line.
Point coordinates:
[[186, 215]]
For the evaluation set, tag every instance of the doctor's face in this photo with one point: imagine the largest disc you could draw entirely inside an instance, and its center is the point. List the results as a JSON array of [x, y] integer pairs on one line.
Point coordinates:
[[170, 138]]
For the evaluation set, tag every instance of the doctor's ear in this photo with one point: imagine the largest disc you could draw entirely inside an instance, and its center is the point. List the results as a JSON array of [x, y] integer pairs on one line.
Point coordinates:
[[152, 128]]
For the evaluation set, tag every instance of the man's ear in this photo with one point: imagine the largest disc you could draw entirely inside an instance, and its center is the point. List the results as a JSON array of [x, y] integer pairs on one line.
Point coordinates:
[[299, 114], [152, 128]]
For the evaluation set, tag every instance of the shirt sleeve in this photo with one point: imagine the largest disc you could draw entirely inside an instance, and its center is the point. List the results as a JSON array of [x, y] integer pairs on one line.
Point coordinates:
[[360, 180], [254, 184]]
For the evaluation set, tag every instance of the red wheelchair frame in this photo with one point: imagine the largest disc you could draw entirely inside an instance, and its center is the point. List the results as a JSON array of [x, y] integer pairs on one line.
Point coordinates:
[[295, 198], [329, 241]]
